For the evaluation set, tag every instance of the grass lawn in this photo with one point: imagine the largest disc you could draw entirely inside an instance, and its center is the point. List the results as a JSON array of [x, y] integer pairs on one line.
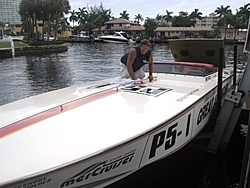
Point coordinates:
[[7, 44]]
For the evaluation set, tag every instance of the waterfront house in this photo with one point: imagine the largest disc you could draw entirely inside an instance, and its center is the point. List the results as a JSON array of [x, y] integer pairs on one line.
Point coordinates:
[[16, 29], [179, 32], [231, 34], [120, 24]]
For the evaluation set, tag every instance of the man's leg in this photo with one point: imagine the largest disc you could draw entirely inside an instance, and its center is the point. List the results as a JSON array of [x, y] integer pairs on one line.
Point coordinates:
[[124, 71], [140, 73]]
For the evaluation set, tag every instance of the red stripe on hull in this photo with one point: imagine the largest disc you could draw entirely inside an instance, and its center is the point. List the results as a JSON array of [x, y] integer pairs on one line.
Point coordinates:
[[53, 111]]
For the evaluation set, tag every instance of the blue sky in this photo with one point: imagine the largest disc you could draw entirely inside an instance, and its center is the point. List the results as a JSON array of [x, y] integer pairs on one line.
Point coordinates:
[[150, 8]]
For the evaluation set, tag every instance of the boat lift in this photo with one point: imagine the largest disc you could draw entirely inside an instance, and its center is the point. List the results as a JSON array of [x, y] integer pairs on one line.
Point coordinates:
[[227, 119], [229, 114]]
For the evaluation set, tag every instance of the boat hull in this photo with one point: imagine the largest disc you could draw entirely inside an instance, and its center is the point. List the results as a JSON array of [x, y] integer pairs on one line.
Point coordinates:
[[113, 40], [117, 37], [70, 147]]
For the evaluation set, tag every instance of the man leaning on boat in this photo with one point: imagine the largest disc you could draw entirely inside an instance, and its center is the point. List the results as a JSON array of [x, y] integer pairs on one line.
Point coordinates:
[[132, 62]]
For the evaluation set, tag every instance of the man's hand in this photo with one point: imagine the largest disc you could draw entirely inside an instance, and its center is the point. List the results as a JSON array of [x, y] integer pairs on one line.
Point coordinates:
[[150, 77]]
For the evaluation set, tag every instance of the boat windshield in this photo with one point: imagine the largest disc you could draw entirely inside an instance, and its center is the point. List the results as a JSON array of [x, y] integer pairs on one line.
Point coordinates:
[[193, 69], [126, 35]]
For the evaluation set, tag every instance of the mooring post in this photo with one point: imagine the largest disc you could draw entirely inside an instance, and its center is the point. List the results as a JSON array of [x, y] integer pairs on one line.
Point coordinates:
[[220, 70], [235, 64], [12, 47]]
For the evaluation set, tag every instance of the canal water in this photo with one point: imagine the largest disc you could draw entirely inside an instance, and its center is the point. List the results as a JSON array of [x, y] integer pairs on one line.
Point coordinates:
[[26, 76]]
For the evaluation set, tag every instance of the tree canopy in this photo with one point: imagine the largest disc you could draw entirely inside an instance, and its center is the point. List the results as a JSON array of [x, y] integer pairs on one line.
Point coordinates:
[[49, 11], [52, 14]]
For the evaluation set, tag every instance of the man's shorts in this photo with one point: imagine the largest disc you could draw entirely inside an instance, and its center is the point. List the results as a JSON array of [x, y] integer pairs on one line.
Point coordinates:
[[124, 72]]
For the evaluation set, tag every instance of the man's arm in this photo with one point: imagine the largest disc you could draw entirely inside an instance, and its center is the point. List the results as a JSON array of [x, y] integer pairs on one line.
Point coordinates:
[[151, 67], [131, 58]]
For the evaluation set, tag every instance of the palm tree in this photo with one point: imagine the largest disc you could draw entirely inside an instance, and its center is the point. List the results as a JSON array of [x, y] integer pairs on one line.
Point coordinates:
[[61, 7], [245, 12], [138, 18], [27, 11], [223, 12], [82, 14], [183, 14], [64, 24], [195, 15], [168, 16], [158, 18], [237, 22], [106, 14], [150, 26], [44, 13], [124, 15], [180, 21], [73, 17], [2, 25], [98, 22]]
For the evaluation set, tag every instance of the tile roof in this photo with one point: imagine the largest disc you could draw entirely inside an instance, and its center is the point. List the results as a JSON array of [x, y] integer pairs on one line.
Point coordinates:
[[182, 28], [120, 21]]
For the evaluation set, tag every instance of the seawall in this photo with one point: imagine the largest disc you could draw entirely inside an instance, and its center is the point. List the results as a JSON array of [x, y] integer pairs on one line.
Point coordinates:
[[29, 50]]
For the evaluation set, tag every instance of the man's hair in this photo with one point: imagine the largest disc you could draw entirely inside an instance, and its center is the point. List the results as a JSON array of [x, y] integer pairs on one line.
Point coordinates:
[[145, 42]]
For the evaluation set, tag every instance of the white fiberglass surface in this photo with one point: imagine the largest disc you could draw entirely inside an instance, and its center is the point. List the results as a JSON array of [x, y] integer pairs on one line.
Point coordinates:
[[27, 107], [90, 128], [85, 130]]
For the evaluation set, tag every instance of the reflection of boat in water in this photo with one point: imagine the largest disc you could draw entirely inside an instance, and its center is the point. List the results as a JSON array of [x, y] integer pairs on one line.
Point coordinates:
[[97, 133], [117, 37]]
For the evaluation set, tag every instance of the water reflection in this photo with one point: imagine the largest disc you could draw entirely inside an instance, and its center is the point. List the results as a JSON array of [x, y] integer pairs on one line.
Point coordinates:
[[26, 76], [241, 57], [46, 73]]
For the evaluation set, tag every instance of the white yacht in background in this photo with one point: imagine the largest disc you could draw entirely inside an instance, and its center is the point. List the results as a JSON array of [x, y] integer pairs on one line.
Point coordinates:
[[117, 37]]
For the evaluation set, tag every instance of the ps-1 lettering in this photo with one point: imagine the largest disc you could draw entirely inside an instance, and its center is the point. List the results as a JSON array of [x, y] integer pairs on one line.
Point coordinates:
[[159, 139]]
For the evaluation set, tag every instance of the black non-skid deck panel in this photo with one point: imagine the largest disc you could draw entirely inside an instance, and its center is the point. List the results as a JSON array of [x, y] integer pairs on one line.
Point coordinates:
[[146, 90]]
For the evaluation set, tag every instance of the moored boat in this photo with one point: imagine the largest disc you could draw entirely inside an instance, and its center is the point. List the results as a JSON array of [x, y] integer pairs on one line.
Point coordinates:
[[79, 38], [82, 37], [117, 37], [94, 134]]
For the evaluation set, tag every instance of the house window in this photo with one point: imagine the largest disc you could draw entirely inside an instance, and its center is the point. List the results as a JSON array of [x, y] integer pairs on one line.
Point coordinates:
[[109, 26], [120, 25], [229, 35]]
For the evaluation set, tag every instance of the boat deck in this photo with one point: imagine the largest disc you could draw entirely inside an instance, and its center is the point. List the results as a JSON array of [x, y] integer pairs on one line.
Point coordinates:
[[56, 129]]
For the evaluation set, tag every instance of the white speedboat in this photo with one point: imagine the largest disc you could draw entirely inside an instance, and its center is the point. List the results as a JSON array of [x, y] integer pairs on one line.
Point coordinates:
[[94, 134], [117, 37]]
